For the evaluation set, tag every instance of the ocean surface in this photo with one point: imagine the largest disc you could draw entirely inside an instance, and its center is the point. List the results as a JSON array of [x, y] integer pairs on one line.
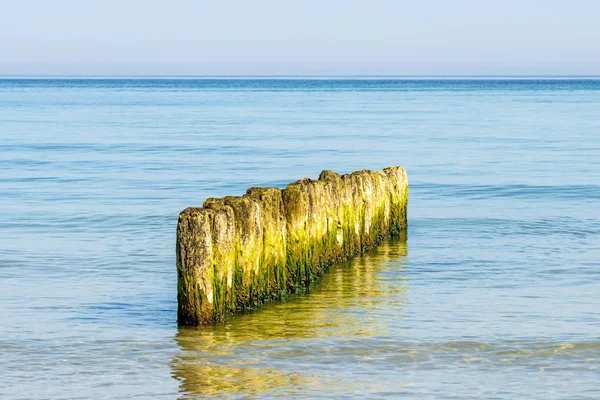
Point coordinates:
[[494, 292]]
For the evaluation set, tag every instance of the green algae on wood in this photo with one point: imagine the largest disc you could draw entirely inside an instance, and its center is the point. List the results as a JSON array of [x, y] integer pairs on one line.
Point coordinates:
[[236, 253]]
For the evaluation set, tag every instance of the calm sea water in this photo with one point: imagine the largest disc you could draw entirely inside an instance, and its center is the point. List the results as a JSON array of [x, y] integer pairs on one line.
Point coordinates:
[[495, 292]]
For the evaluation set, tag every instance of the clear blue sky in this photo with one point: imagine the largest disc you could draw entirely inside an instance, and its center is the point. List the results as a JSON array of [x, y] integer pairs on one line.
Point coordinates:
[[424, 37]]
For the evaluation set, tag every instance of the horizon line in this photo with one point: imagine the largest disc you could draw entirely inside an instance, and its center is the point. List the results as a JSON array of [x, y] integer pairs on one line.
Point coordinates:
[[302, 76]]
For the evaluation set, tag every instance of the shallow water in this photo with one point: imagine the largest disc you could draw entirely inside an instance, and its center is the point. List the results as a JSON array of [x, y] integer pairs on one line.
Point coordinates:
[[494, 293]]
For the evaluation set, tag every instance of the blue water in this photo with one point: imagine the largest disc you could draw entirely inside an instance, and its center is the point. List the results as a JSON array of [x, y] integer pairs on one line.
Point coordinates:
[[495, 293]]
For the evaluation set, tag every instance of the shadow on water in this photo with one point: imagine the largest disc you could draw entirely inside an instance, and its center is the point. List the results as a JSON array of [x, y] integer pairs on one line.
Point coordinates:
[[282, 348]]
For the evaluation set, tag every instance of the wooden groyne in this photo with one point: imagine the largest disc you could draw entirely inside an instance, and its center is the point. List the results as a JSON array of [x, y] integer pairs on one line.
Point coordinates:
[[236, 253]]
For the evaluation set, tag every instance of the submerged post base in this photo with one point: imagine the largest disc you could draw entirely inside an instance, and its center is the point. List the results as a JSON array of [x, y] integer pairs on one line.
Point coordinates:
[[235, 253]]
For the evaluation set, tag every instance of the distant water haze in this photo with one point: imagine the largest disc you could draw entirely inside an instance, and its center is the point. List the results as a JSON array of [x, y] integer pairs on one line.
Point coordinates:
[[324, 37]]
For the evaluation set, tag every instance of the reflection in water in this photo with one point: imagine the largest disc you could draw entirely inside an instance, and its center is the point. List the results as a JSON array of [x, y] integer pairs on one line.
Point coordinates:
[[281, 348]]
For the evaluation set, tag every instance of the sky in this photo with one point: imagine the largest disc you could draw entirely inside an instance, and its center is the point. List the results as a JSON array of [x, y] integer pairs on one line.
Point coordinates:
[[302, 37]]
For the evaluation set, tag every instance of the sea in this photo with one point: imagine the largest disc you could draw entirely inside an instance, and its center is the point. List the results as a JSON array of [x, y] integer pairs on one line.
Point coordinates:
[[493, 293]]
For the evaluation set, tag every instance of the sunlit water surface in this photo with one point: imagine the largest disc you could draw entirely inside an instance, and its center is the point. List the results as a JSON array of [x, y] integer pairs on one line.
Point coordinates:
[[494, 293]]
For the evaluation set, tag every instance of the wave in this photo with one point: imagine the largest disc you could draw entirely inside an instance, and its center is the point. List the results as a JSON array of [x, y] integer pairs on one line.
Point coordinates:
[[520, 191]]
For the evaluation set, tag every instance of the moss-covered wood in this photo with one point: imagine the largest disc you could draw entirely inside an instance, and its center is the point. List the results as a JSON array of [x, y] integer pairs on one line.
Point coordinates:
[[236, 253]]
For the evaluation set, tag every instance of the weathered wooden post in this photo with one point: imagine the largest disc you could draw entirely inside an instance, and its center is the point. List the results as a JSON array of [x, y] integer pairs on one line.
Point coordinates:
[[235, 253]]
